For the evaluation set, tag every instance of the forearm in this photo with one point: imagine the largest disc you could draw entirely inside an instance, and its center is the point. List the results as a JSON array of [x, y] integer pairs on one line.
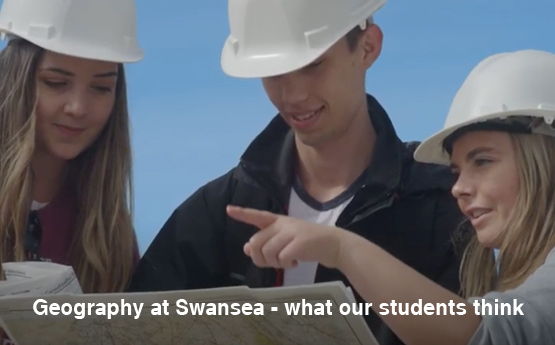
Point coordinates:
[[380, 278]]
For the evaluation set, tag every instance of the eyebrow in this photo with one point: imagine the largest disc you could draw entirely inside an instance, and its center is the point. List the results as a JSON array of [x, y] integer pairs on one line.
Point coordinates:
[[71, 74], [472, 154]]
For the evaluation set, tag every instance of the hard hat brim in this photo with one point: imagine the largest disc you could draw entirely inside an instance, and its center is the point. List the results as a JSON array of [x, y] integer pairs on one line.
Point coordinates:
[[80, 50], [268, 65], [431, 149]]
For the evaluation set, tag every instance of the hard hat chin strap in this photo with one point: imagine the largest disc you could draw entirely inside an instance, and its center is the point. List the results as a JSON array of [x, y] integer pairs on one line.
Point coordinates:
[[512, 124], [368, 21], [538, 125], [543, 126]]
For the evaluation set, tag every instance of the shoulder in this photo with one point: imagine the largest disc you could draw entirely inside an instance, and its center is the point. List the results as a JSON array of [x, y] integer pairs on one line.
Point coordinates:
[[214, 191], [542, 278], [535, 290], [220, 191], [528, 317]]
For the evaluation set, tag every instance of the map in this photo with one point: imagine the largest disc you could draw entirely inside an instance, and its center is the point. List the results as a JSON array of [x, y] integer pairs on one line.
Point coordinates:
[[274, 327]]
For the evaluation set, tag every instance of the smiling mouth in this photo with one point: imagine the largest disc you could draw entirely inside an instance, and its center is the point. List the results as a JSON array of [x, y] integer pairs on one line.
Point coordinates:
[[69, 130], [305, 117], [478, 215]]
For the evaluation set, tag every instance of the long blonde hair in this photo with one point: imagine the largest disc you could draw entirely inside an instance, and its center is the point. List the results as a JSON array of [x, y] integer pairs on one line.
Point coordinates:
[[529, 235], [104, 240]]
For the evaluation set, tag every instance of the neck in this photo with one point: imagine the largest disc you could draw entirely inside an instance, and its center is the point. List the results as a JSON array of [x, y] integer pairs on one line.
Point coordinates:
[[328, 170], [49, 175]]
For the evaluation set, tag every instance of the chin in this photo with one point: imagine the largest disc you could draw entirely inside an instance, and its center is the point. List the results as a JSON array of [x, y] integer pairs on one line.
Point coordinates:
[[488, 238], [307, 140], [313, 139], [66, 155]]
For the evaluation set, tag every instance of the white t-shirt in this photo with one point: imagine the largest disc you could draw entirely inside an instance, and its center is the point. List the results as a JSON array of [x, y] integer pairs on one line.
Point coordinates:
[[35, 205], [303, 206]]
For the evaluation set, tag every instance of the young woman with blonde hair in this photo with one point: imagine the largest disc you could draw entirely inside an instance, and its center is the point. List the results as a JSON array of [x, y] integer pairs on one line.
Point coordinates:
[[499, 138], [65, 155]]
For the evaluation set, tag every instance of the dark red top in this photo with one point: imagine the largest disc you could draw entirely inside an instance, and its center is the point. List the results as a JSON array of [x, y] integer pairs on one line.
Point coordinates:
[[58, 220]]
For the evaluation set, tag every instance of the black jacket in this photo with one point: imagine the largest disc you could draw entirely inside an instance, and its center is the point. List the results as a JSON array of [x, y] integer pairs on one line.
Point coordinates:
[[403, 206]]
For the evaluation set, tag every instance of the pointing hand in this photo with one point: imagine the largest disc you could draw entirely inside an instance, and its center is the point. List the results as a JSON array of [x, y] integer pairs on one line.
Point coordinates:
[[284, 241]]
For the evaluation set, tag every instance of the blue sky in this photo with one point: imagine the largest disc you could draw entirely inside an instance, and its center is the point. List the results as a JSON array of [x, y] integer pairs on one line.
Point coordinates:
[[191, 122]]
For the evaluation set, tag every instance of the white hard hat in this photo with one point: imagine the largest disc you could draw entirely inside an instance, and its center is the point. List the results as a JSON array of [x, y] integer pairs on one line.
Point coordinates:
[[94, 29], [515, 90], [273, 37]]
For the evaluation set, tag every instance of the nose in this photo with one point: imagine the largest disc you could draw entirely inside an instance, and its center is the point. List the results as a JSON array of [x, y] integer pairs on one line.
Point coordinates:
[[463, 187], [293, 88], [77, 103]]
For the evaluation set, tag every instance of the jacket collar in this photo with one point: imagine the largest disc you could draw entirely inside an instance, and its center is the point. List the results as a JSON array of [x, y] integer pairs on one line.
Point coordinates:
[[270, 158]]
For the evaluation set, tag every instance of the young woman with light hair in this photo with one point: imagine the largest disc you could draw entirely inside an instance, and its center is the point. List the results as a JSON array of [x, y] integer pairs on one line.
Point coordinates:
[[65, 153], [499, 139]]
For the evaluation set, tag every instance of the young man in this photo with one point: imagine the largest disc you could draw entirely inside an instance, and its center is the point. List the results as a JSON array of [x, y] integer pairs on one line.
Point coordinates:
[[331, 156]]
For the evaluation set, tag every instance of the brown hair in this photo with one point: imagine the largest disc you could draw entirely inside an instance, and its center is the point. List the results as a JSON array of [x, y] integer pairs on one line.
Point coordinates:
[[353, 37], [529, 234], [104, 243]]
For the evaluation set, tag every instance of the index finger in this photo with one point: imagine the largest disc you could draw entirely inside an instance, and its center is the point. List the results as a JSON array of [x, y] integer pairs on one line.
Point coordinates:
[[258, 218]]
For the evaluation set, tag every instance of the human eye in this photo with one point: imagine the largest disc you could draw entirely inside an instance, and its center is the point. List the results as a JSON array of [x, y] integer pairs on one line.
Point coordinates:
[[482, 161], [54, 84], [103, 89]]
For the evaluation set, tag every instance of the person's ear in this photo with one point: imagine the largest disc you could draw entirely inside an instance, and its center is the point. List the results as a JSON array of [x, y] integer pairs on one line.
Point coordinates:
[[371, 44]]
